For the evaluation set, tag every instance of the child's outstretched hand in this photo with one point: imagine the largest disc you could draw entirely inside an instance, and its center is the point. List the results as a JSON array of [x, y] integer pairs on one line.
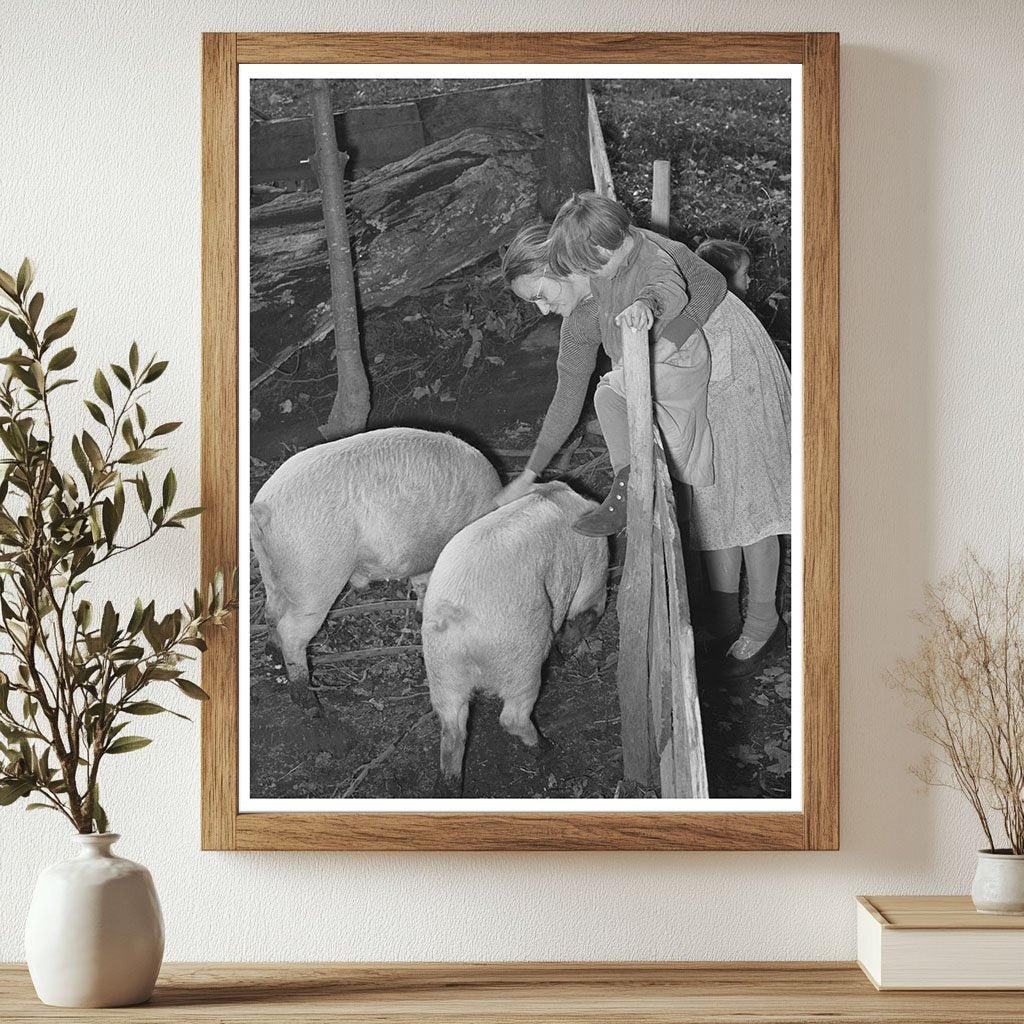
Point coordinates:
[[638, 316], [516, 489]]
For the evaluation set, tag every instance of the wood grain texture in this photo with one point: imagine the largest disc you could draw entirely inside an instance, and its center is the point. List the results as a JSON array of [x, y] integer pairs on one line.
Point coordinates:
[[817, 826], [521, 47], [219, 429], [599, 165], [689, 766], [619, 831], [614, 993], [633, 603], [821, 441], [936, 912]]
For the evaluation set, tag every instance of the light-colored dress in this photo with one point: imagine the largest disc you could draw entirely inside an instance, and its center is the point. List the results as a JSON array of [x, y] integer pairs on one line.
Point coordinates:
[[749, 409]]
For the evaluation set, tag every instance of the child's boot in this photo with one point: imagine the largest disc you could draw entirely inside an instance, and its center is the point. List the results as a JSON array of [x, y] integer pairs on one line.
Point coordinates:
[[611, 516]]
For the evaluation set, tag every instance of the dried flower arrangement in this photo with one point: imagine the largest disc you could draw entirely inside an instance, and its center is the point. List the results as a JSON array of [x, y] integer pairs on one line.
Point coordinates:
[[967, 679]]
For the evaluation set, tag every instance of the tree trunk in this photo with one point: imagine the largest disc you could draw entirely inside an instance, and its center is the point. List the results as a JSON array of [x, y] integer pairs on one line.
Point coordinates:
[[352, 401], [566, 143]]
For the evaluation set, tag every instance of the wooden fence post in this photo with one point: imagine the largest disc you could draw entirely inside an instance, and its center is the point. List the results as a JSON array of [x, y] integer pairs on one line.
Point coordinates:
[[681, 738], [660, 197], [634, 603], [657, 680]]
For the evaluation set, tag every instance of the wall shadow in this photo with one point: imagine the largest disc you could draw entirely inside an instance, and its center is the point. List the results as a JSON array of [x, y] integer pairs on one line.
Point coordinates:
[[887, 207]]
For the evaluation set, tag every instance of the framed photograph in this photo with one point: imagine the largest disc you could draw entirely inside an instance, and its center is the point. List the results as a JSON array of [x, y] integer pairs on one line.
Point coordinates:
[[520, 419]]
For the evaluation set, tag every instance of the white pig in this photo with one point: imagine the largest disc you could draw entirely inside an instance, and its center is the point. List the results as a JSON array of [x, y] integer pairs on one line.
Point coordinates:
[[499, 593], [379, 505]]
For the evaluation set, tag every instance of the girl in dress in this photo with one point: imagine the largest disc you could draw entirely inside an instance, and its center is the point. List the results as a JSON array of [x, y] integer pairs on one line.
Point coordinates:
[[737, 517], [680, 367]]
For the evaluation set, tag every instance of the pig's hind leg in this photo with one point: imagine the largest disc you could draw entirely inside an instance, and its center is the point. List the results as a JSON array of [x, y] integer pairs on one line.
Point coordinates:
[[298, 625], [453, 714], [519, 692]]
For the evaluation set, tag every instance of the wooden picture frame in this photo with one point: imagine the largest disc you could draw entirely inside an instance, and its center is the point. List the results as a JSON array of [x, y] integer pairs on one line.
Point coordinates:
[[816, 826]]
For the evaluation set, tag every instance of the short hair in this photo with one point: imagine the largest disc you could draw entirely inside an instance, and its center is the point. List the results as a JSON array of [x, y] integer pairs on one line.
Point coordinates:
[[526, 254], [725, 256], [584, 223]]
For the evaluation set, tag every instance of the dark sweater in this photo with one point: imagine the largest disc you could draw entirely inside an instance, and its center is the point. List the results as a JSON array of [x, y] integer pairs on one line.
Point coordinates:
[[580, 341]]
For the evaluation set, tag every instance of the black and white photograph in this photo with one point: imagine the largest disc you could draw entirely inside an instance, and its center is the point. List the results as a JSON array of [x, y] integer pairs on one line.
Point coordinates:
[[440, 278]]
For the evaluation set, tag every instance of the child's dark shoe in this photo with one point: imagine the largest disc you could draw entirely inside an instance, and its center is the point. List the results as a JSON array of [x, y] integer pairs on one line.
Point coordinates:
[[611, 516]]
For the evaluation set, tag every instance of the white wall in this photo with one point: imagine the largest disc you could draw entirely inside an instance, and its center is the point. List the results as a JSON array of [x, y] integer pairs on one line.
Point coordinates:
[[100, 183]]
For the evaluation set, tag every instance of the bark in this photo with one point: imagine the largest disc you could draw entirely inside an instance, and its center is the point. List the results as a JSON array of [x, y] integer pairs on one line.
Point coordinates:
[[412, 223], [352, 400], [566, 143]]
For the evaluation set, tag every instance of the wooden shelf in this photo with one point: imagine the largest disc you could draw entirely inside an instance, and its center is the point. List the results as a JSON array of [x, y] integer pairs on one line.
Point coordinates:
[[658, 993]]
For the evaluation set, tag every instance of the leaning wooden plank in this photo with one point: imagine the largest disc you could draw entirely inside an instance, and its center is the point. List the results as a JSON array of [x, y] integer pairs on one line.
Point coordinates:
[[659, 686], [690, 777], [599, 165], [634, 602]]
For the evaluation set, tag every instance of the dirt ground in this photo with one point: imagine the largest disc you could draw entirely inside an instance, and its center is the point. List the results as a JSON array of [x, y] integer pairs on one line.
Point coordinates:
[[376, 736]]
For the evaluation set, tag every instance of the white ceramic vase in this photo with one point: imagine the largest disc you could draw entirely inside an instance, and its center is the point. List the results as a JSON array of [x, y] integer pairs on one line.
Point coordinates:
[[95, 933], [999, 882]]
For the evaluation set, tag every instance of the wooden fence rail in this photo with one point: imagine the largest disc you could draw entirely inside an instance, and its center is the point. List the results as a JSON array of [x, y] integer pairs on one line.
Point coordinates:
[[279, 150], [657, 679]]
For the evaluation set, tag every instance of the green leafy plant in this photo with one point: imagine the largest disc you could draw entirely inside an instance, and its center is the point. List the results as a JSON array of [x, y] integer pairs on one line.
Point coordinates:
[[80, 673]]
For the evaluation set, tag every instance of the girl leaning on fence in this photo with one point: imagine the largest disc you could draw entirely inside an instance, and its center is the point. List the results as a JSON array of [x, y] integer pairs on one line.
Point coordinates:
[[737, 518], [680, 364]]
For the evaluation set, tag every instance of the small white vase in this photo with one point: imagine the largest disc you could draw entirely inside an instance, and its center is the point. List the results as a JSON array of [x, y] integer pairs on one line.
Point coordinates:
[[95, 934], [999, 882]]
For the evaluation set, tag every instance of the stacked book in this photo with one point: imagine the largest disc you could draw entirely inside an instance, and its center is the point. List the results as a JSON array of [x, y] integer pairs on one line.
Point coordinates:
[[907, 942]]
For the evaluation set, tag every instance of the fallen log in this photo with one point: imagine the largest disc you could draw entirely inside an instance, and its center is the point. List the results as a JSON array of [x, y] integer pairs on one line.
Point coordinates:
[[412, 223]]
